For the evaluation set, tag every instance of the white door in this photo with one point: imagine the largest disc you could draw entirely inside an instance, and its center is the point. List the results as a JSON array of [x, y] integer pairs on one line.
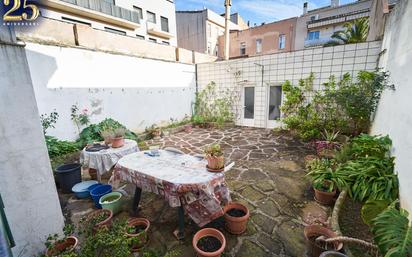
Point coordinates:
[[274, 103], [248, 100]]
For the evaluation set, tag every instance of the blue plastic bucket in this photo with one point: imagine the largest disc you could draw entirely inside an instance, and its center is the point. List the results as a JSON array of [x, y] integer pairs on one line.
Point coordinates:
[[98, 192], [81, 189]]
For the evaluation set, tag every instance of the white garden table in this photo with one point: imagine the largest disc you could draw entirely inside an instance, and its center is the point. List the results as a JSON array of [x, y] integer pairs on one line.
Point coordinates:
[[180, 178], [103, 160]]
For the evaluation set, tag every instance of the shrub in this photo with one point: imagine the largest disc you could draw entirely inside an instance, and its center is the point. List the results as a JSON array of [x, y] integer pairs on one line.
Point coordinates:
[[57, 147], [48, 120], [92, 133], [346, 106]]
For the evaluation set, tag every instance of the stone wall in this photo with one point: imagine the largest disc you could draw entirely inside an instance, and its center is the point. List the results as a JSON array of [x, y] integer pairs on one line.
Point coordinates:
[[277, 68]]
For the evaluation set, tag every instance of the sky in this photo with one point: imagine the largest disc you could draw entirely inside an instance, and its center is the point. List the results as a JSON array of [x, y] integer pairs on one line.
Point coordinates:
[[256, 11]]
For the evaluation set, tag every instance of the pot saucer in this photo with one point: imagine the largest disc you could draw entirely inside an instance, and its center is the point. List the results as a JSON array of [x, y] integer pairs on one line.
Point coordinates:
[[213, 170]]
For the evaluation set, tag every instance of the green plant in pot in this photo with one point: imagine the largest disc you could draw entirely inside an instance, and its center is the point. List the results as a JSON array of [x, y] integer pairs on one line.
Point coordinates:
[[62, 247], [323, 179], [118, 137], [215, 158], [137, 230], [328, 146], [107, 135]]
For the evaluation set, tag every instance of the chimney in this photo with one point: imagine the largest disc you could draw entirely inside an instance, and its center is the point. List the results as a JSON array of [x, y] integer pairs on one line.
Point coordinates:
[[334, 3], [305, 7]]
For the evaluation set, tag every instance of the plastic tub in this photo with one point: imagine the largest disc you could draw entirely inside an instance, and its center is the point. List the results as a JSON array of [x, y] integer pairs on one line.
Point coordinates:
[[112, 201], [98, 192], [90, 188], [68, 175], [81, 189]]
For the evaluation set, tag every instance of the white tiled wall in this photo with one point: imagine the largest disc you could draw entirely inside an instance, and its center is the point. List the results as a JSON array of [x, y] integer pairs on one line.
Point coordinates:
[[323, 62]]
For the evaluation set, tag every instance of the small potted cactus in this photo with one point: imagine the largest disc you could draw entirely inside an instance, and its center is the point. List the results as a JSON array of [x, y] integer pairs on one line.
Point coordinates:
[[215, 158]]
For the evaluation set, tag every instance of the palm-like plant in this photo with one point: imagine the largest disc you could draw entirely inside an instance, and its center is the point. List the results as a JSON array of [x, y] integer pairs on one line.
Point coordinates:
[[393, 232], [354, 32]]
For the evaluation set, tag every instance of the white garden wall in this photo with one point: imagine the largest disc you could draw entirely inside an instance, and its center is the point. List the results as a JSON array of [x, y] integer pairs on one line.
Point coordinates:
[[137, 92], [393, 116], [292, 66]]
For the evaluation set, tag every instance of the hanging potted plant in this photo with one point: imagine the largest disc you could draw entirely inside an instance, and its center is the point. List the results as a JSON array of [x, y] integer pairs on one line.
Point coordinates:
[[137, 230], [107, 135], [236, 218], [328, 146], [209, 242], [64, 246], [323, 178], [215, 158], [118, 137], [315, 236]]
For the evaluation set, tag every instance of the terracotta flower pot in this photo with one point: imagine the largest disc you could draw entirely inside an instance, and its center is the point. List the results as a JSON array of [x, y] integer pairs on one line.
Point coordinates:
[[326, 198], [117, 142], [105, 223], [216, 163], [212, 233], [314, 248], [236, 225], [142, 237], [107, 140], [68, 244], [156, 133], [188, 128]]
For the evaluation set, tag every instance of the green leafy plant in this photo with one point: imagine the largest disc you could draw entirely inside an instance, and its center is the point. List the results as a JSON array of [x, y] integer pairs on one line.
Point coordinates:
[[366, 145], [119, 132], [214, 106], [323, 176], [57, 147], [92, 133], [354, 32], [51, 240], [79, 118], [48, 120], [213, 150], [393, 232], [372, 208]]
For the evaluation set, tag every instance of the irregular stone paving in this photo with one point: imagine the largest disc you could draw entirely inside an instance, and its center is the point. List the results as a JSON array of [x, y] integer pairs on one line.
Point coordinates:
[[268, 177]]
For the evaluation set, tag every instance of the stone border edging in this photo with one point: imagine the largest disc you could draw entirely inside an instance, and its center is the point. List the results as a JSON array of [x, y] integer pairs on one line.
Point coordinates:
[[335, 218]]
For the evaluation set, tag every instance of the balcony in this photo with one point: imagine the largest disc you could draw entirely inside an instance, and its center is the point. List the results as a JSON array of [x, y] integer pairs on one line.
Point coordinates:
[[97, 10], [345, 17], [153, 29], [320, 41]]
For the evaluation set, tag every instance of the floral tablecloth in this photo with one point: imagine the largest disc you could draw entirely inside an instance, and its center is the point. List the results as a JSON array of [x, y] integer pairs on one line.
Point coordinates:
[[104, 160], [181, 179]]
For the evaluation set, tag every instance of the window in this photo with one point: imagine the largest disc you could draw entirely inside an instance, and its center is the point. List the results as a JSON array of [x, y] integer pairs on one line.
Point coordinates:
[[242, 48], [164, 24], [139, 12], [275, 101], [282, 41], [140, 37], [312, 35], [116, 31], [151, 17], [217, 50], [258, 45], [75, 21], [154, 40], [165, 43], [209, 48]]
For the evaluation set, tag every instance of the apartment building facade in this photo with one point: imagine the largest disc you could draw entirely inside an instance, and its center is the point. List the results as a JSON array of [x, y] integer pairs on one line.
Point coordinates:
[[199, 30], [268, 38], [315, 27], [151, 20]]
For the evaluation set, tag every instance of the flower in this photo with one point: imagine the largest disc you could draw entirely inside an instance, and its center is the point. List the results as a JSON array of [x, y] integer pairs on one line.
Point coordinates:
[[85, 110]]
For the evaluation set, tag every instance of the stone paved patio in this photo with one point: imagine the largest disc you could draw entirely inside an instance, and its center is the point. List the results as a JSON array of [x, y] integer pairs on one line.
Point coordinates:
[[268, 177]]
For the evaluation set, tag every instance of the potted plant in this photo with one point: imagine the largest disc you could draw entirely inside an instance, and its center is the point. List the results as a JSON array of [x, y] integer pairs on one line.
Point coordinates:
[[209, 242], [323, 177], [137, 231], [215, 158], [97, 219], [315, 235], [328, 146], [188, 128], [118, 137], [236, 218], [62, 247], [107, 135]]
